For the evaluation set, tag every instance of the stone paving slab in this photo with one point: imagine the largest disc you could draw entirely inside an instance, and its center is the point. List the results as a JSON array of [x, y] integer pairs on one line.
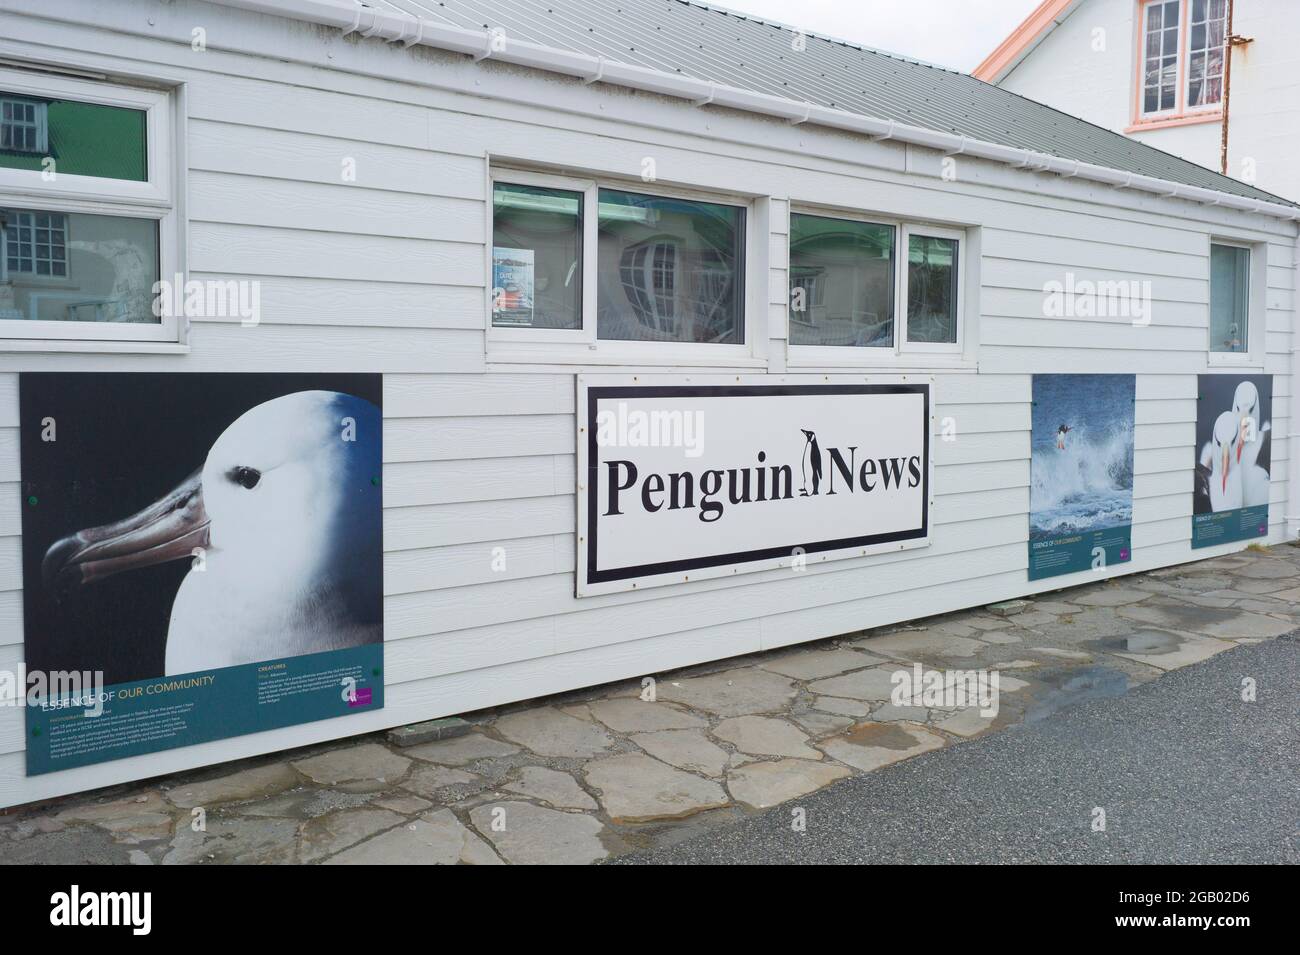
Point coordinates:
[[813, 664], [525, 834], [599, 772], [639, 716], [635, 788], [869, 746], [741, 692], [686, 749], [761, 785]]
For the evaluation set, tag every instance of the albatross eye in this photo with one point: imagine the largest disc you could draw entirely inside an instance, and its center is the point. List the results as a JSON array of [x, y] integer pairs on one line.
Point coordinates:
[[245, 477]]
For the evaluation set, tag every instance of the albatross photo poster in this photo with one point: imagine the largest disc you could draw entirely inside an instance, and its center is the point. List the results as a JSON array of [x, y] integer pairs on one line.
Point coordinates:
[[1233, 458], [1081, 473], [202, 557]]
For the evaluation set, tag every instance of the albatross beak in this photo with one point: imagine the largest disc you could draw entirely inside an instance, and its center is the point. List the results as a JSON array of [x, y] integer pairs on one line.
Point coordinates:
[[1241, 438], [1226, 457], [168, 529]]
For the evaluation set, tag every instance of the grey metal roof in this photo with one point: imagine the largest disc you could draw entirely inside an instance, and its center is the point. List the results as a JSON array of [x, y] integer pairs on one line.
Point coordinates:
[[717, 45]]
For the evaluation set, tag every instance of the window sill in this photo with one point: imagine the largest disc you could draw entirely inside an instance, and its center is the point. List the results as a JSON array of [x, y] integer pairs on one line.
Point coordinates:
[[29, 346], [1233, 360], [501, 357], [1165, 122], [906, 362]]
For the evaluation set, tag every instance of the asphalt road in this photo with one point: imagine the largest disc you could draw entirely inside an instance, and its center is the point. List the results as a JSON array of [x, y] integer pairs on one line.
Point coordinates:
[[1185, 770]]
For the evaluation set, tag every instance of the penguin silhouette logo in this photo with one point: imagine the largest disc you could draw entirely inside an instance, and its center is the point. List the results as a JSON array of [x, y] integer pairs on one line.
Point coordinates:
[[812, 462]]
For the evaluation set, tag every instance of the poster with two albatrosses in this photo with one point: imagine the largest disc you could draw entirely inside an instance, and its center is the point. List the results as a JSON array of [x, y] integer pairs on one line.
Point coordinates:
[[1233, 458]]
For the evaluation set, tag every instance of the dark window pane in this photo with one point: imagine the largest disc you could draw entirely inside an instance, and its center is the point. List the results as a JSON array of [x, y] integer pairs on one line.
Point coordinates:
[[931, 289], [669, 270], [536, 257], [1229, 298], [841, 282], [83, 139], [77, 267]]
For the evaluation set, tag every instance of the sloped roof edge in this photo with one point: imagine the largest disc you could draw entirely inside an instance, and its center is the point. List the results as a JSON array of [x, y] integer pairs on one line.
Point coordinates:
[[397, 27], [1018, 44]]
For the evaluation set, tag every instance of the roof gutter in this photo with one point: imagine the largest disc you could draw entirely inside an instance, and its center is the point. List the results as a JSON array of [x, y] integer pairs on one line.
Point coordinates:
[[483, 44]]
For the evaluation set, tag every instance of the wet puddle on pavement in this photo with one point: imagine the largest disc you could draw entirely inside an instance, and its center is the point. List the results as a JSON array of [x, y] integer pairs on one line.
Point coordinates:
[[1148, 642], [884, 735], [1072, 686]]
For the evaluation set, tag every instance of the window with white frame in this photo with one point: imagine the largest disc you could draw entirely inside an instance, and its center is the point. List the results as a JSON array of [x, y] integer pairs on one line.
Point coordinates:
[[933, 288], [861, 289], [88, 219], [1182, 59], [1230, 276], [1160, 45], [614, 268], [22, 125], [1205, 53], [36, 243], [842, 282]]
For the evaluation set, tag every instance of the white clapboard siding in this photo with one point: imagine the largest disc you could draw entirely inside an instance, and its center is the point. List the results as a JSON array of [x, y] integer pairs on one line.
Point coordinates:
[[291, 300], [305, 158], [357, 200], [344, 207], [303, 253], [1037, 276], [1068, 252]]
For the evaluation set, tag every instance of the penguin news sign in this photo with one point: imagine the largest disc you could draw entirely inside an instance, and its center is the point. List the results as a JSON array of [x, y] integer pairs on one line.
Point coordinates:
[[685, 478]]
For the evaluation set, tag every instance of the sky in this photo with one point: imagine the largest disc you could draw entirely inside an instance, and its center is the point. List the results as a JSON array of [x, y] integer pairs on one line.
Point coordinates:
[[953, 33]]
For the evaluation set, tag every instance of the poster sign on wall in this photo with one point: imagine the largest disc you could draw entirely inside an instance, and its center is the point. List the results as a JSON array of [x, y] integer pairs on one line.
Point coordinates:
[[202, 558], [512, 286], [685, 480], [1081, 473], [1233, 458]]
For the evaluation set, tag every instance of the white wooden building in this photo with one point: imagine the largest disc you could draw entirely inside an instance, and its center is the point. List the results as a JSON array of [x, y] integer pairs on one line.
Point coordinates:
[[346, 158]]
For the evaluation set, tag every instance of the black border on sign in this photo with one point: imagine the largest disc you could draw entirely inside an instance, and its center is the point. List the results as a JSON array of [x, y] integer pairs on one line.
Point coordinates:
[[595, 393]]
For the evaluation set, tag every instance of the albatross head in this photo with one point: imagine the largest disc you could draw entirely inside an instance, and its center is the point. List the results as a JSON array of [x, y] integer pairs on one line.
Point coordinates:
[[1245, 407], [1226, 431], [287, 493]]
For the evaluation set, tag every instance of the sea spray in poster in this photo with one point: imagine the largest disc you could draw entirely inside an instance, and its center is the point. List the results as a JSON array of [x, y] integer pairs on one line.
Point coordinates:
[[1081, 495], [1233, 458], [207, 546]]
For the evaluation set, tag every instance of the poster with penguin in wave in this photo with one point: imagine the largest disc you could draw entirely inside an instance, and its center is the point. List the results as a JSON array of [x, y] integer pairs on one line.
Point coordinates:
[[1233, 458], [1081, 473], [202, 557]]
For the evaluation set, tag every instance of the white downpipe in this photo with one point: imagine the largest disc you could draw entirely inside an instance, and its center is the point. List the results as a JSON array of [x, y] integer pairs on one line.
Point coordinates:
[[408, 30], [1293, 426]]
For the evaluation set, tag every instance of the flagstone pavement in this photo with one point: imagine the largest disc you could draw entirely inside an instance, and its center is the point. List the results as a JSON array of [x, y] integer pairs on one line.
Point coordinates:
[[584, 776]]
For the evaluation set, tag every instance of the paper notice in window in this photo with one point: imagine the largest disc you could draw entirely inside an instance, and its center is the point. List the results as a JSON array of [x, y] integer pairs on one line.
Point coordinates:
[[512, 286]]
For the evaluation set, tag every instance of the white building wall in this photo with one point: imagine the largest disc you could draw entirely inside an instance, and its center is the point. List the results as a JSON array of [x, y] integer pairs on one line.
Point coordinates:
[[1072, 71], [1264, 117], [1067, 71], [387, 274]]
